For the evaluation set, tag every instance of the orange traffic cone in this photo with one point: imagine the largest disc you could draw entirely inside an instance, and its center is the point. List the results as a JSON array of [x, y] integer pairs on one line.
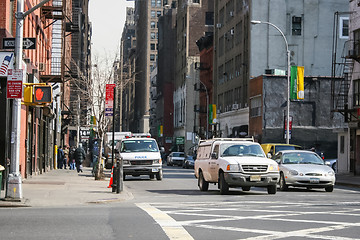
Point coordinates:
[[111, 178]]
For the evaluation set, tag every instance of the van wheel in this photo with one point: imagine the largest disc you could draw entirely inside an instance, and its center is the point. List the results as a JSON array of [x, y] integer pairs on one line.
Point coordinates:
[[224, 187], [271, 189], [159, 175], [282, 183], [203, 185]]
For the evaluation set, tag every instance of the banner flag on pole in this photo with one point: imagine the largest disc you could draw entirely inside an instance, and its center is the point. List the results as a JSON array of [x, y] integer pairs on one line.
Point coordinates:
[[297, 83]]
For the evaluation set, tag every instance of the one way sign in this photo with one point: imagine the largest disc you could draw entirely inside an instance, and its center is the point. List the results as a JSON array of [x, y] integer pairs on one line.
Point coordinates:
[[28, 43]]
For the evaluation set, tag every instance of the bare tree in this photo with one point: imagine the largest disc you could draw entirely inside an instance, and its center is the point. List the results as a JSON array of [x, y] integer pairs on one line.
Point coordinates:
[[92, 92]]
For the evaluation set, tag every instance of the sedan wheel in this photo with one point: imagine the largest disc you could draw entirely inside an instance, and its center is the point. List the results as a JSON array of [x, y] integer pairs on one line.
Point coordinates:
[[203, 185], [329, 189], [282, 183], [223, 185]]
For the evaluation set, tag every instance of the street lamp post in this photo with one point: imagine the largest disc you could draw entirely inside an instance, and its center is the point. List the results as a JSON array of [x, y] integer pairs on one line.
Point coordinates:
[[288, 77]]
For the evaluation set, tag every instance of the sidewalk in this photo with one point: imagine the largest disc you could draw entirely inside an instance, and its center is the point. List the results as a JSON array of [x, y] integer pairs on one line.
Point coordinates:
[[65, 188]]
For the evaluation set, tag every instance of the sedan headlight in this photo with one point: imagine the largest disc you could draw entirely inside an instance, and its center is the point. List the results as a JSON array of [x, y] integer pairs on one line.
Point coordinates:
[[233, 167], [331, 173], [273, 167], [293, 172]]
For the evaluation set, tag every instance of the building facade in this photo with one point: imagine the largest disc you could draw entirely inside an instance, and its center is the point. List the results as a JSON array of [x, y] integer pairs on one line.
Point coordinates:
[[244, 51]]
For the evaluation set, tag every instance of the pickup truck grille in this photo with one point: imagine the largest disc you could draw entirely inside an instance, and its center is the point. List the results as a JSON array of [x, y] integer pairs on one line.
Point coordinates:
[[141, 162], [254, 168]]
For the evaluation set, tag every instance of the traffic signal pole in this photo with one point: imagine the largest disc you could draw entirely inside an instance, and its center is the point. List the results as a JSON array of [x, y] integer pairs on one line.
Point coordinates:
[[14, 183]]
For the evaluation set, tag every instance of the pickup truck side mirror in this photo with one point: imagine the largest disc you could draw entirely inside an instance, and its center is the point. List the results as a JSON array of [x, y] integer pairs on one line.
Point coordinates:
[[269, 155], [214, 155]]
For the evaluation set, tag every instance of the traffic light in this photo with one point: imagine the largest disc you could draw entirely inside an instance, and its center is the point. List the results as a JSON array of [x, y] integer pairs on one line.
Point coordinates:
[[42, 94]]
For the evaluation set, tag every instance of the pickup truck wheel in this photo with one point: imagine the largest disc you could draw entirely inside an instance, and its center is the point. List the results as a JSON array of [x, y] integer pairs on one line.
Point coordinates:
[[282, 183], [224, 187], [246, 188], [271, 189], [203, 185], [159, 175]]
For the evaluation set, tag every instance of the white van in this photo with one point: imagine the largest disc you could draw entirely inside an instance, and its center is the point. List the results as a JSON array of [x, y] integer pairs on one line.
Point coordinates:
[[140, 156], [235, 163], [108, 142]]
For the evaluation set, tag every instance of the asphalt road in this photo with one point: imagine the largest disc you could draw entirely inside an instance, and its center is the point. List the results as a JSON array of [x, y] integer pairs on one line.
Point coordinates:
[[174, 208]]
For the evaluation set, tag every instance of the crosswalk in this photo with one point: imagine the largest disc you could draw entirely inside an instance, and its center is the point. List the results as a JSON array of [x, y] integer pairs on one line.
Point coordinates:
[[255, 220]]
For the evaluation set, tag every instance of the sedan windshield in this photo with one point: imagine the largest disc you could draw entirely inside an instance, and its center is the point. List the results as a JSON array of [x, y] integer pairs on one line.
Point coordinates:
[[302, 158], [231, 149], [139, 146]]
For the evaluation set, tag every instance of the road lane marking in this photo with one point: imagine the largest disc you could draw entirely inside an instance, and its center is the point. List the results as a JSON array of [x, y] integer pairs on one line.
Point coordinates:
[[172, 228]]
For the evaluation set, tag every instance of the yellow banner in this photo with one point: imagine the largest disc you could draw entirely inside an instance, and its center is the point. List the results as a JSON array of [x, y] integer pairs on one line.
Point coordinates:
[[300, 83]]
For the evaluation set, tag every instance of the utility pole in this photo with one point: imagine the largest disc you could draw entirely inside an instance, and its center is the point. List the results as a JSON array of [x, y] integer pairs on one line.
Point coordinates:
[[14, 190]]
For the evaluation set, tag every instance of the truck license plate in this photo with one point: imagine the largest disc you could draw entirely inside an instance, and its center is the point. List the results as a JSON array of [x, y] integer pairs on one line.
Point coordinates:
[[155, 170], [314, 180], [255, 178]]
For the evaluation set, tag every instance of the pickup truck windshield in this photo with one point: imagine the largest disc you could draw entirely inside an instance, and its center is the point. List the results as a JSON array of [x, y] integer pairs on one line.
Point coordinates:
[[231, 149], [128, 146]]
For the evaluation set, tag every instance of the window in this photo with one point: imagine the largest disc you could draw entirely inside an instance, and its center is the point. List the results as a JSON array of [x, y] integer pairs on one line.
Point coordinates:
[[344, 27], [152, 57], [296, 26], [357, 42], [153, 14], [152, 35], [209, 18], [153, 2], [158, 13], [196, 1], [152, 24], [342, 144], [255, 106], [158, 3], [357, 92], [152, 46]]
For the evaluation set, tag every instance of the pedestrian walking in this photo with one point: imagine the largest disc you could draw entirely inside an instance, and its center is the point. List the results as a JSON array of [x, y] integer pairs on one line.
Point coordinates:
[[79, 157], [66, 156], [72, 164], [60, 158]]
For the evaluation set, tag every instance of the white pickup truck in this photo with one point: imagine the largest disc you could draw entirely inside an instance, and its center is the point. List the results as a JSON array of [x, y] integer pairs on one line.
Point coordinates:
[[235, 163]]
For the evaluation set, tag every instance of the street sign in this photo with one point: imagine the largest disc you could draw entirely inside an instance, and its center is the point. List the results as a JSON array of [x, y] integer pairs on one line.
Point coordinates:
[[28, 43], [109, 99], [14, 83]]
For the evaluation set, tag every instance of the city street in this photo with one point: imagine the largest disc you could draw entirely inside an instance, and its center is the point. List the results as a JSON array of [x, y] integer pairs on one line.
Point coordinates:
[[174, 208]]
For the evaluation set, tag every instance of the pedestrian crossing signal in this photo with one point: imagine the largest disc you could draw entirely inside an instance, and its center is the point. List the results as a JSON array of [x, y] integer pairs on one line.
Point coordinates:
[[42, 94]]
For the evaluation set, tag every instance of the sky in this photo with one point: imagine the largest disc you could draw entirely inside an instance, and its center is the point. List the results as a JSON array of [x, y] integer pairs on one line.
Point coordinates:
[[107, 18]]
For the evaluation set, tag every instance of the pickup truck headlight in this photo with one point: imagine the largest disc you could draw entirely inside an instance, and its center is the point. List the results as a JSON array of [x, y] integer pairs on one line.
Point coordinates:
[[273, 168], [233, 167], [157, 161]]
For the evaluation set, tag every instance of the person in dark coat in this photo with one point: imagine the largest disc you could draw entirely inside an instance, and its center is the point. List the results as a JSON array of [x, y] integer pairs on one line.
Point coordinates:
[[79, 157], [60, 158]]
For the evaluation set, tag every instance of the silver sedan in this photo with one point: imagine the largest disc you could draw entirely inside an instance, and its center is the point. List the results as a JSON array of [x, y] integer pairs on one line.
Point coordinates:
[[300, 168]]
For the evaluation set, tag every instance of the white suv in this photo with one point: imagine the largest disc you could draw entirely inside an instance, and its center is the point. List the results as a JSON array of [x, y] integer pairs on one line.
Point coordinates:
[[235, 163]]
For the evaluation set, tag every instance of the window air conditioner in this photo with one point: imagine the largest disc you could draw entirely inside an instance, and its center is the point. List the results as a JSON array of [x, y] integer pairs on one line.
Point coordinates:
[[235, 106], [218, 25]]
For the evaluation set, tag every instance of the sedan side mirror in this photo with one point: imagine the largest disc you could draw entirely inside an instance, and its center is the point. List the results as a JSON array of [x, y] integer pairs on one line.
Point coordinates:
[[269, 155]]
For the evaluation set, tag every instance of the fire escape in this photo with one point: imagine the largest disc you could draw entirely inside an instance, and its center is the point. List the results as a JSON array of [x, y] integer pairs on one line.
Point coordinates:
[[341, 87], [59, 13]]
